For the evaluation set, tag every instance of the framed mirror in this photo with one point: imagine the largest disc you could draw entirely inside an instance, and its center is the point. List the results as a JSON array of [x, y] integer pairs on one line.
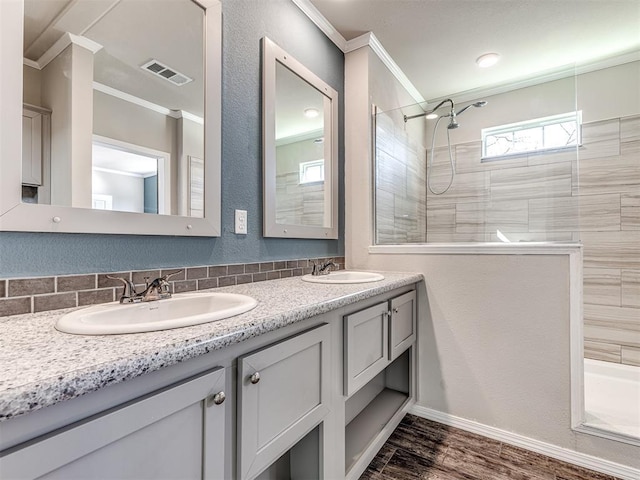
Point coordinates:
[[117, 98], [300, 149]]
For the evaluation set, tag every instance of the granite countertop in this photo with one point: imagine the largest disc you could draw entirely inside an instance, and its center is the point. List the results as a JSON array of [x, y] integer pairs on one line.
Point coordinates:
[[41, 366]]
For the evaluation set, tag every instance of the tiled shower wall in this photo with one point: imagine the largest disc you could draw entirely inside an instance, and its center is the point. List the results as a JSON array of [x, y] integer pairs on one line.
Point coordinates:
[[610, 176], [592, 195], [401, 176], [296, 203]]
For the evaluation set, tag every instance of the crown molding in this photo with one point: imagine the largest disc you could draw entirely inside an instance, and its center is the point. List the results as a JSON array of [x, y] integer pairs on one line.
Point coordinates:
[[146, 104], [369, 39], [188, 116], [558, 73], [607, 62], [57, 48], [321, 22]]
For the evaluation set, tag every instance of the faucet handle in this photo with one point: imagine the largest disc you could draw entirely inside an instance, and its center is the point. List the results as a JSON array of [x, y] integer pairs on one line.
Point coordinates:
[[330, 264], [167, 276], [129, 289], [164, 289]]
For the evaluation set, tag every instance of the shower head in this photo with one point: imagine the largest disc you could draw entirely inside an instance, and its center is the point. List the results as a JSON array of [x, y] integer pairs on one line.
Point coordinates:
[[479, 104], [452, 122]]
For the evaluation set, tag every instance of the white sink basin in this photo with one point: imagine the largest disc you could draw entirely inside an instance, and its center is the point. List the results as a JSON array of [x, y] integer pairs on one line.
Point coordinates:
[[182, 310], [344, 276]]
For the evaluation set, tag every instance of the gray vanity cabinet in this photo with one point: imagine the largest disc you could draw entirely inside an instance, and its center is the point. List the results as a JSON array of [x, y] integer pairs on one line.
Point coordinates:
[[376, 336], [366, 341], [402, 326], [283, 393], [173, 433], [314, 399], [379, 375]]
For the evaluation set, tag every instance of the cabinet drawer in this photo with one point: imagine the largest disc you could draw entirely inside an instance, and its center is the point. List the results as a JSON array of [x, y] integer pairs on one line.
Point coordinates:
[[402, 326], [283, 394], [366, 346], [172, 434]]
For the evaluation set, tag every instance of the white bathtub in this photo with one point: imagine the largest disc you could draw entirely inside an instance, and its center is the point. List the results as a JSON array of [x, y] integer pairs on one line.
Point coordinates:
[[612, 397]]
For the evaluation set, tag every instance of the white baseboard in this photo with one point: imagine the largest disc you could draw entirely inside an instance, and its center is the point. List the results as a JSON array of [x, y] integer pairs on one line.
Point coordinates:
[[566, 455]]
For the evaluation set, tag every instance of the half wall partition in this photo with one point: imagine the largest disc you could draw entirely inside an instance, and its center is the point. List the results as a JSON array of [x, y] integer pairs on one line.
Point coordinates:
[[504, 175]]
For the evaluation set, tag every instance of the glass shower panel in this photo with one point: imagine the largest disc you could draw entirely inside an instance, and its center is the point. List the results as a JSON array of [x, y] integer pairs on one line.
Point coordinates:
[[400, 178], [433, 184], [609, 193]]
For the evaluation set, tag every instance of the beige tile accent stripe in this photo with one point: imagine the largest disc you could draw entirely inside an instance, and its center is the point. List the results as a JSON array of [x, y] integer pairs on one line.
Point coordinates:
[[38, 294]]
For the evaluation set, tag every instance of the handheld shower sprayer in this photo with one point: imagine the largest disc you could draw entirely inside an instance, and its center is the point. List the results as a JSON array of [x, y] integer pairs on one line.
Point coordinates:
[[453, 123], [479, 104]]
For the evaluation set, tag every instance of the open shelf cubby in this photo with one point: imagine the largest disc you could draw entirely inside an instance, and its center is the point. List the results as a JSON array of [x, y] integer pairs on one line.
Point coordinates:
[[371, 411]]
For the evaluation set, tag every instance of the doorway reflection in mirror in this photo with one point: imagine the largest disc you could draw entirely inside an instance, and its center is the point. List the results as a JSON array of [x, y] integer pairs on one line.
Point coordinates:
[[126, 180]]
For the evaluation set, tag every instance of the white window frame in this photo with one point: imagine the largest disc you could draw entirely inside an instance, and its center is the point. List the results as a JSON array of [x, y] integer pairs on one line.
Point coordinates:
[[530, 124], [304, 166]]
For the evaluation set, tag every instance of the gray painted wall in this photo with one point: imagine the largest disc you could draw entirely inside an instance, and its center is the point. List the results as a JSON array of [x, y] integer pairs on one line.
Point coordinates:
[[245, 22]]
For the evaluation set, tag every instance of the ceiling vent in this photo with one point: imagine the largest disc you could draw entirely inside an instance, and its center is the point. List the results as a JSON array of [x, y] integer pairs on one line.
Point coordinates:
[[171, 74]]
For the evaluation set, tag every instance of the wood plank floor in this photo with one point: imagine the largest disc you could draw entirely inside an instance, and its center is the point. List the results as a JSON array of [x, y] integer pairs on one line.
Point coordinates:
[[422, 449]]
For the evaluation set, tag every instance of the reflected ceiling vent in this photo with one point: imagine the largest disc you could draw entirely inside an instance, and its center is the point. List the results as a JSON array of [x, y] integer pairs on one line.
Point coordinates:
[[169, 74]]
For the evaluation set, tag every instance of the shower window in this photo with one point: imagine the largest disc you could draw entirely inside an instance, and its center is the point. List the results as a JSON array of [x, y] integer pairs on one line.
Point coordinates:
[[312, 172], [539, 135]]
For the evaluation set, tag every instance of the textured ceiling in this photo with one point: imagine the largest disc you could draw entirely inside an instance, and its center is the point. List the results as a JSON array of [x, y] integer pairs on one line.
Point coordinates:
[[436, 42]]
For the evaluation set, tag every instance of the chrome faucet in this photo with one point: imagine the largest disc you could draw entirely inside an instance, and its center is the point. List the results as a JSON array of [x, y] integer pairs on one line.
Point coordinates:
[[323, 268], [158, 289]]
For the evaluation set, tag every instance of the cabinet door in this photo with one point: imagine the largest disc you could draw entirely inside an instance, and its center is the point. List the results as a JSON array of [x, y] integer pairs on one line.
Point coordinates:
[[366, 346], [32, 147], [174, 433], [402, 327], [283, 393]]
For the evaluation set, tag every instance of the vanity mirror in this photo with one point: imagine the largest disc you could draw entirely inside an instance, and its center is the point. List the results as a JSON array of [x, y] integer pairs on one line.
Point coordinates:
[[300, 149], [114, 116]]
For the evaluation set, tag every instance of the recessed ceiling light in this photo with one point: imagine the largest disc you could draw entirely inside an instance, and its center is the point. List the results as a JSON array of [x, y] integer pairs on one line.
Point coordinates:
[[487, 60], [311, 112]]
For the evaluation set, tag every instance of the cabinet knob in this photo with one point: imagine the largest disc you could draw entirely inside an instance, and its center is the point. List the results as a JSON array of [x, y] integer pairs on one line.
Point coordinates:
[[219, 398], [395, 310], [255, 378]]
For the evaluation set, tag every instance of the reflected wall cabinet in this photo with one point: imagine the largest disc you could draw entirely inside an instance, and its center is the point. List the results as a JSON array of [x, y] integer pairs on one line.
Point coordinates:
[[35, 143]]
